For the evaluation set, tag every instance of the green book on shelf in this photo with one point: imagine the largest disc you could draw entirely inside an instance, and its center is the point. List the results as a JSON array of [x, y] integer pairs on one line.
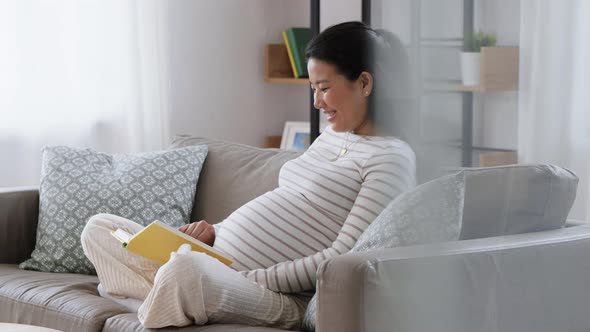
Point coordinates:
[[297, 39]]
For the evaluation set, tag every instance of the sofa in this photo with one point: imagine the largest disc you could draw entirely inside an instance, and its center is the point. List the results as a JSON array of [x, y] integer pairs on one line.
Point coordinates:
[[497, 277]]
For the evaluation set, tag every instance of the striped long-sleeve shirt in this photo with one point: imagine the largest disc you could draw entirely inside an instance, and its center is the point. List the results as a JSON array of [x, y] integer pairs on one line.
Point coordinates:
[[318, 211]]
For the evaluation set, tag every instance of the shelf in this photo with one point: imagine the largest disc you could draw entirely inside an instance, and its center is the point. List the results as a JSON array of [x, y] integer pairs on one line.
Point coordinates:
[[482, 149], [479, 88], [277, 68], [490, 159], [284, 80], [272, 142], [470, 88], [498, 70]]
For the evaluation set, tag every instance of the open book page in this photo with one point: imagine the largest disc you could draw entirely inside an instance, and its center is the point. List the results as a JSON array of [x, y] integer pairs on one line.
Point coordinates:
[[157, 240], [122, 236]]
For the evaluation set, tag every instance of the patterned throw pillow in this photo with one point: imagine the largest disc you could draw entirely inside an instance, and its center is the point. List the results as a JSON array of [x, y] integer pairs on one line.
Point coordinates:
[[430, 213], [79, 183]]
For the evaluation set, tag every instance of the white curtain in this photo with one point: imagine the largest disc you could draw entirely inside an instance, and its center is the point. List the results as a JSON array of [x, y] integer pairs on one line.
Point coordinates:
[[554, 100], [87, 73]]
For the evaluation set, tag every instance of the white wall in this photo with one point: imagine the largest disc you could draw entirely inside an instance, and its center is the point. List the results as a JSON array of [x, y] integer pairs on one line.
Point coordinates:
[[217, 68], [338, 11]]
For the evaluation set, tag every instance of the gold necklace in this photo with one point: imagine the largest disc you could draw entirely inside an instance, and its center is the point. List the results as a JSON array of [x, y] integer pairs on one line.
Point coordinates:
[[344, 148]]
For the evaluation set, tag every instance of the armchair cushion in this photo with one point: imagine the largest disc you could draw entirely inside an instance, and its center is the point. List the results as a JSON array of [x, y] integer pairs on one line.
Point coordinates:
[[130, 323], [516, 199], [61, 301]]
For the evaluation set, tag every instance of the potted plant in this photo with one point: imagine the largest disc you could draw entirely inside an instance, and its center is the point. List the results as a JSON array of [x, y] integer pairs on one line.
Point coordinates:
[[470, 57]]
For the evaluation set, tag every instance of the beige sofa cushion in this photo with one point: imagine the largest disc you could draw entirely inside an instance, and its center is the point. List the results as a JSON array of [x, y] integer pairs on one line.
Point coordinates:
[[233, 174], [62, 301], [130, 323]]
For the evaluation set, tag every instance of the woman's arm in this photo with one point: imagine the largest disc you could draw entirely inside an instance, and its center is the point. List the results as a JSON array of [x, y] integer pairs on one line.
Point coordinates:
[[384, 177]]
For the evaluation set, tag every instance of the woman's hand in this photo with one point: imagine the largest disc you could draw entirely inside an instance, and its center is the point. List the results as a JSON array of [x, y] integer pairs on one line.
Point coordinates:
[[200, 230]]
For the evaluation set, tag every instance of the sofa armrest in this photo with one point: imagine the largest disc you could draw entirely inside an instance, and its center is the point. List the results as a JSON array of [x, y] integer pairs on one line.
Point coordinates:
[[526, 282], [19, 211]]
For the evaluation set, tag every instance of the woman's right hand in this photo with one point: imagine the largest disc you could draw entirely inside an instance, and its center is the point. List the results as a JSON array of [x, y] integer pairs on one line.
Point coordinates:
[[200, 230]]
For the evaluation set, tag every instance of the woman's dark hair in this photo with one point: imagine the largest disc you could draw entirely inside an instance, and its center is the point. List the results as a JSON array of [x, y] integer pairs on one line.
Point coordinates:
[[354, 47]]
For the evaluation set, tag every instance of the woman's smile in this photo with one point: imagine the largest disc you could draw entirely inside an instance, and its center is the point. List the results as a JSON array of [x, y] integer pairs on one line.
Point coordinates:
[[330, 115]]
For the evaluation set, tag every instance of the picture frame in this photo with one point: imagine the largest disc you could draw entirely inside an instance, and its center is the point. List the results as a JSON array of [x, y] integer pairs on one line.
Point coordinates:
[[295, 136]]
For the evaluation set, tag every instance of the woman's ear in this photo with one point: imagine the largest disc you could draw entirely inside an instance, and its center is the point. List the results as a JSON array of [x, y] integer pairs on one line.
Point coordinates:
[[366, 83]]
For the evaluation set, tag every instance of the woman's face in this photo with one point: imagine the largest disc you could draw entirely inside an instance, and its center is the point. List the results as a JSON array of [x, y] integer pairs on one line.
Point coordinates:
[[343, 102]]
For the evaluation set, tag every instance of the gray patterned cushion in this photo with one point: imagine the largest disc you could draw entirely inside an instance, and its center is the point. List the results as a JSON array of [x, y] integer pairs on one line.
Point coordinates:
[[430, 213], [79, 183]]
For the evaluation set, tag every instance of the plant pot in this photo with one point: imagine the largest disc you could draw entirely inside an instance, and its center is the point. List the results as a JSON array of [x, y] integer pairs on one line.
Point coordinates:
[[470, 65]]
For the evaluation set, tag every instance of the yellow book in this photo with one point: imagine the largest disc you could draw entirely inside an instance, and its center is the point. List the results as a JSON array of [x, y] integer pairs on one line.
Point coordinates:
[[157, 240], [290, 52]]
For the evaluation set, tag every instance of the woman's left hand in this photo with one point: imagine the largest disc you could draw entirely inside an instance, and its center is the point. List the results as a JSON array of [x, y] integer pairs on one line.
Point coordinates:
[[200, 230]]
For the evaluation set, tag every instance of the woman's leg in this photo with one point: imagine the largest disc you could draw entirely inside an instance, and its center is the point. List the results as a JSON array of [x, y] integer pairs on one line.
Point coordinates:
[[121, 273], [193, 288]]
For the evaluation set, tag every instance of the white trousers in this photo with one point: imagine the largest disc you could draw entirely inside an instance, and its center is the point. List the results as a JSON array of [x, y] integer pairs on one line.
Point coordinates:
[[191, 288]]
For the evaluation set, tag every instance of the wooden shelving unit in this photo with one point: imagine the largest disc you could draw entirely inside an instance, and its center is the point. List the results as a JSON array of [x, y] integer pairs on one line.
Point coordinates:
[[277, 68], [278, 71], [498, 70]]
